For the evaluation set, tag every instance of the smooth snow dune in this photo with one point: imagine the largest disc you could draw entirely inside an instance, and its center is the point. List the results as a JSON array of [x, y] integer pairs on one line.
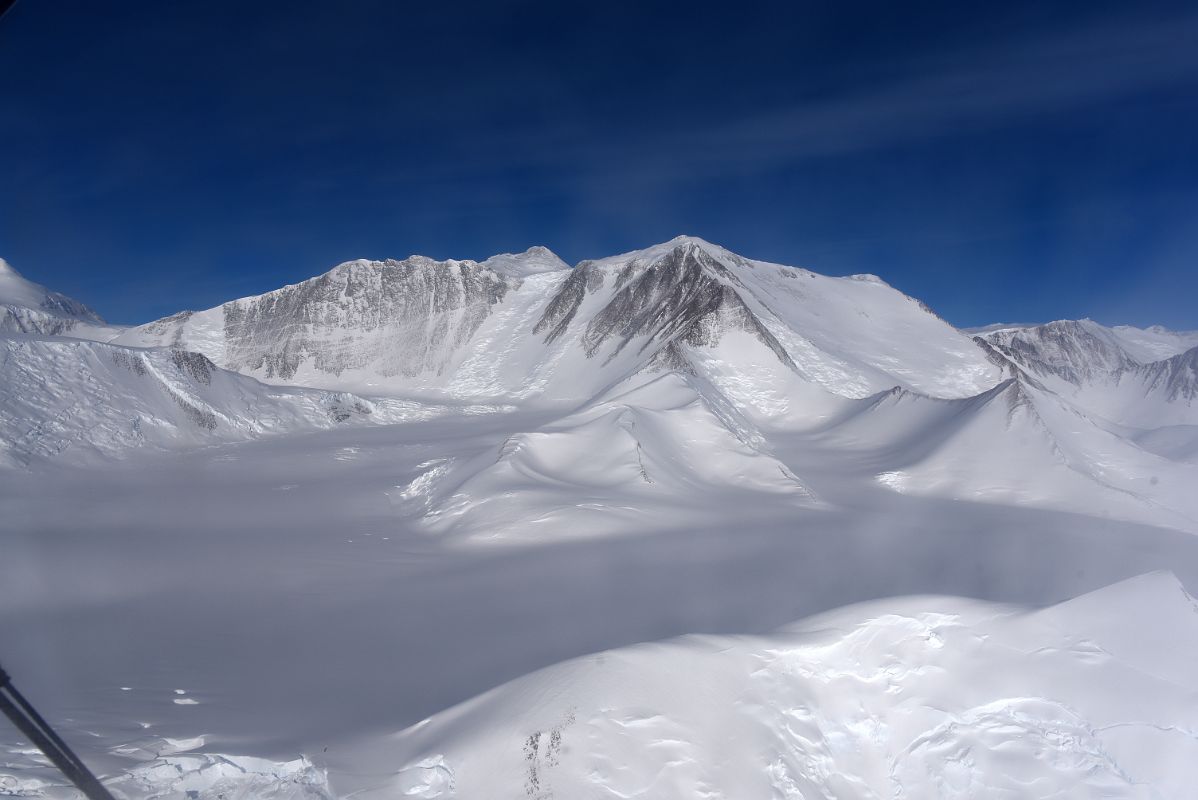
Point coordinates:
[[1174, 442], [1014, 443], [914, 698], [641, 451], [282, 596]]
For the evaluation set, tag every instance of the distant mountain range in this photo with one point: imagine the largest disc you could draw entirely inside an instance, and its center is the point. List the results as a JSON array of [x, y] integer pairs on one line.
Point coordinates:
[[1043, 414]]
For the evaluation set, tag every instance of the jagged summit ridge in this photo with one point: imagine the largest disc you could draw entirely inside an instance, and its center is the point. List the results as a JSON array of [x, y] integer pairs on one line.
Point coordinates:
[[1130, 376], [679, 295], [756, 348], [526, 324]]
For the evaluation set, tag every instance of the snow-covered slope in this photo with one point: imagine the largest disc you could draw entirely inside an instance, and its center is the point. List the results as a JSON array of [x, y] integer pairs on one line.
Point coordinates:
[[1016, 443], [917, 698], [390, 319], [1154, 343], [911, 698], [651, 359], [27, 307], [557, 472], [525, 326], [86, 400], [643, 449], [1142, 378]]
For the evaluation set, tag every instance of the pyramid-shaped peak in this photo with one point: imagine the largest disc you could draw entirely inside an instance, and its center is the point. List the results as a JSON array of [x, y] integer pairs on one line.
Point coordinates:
[[695, 243], [675, 245], [685, 239], [16, 290]]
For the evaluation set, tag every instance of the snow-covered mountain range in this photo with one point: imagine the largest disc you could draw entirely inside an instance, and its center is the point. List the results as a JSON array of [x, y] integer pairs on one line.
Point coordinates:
[[528, 326], [763, 351], [1143, 378], [640, 438]]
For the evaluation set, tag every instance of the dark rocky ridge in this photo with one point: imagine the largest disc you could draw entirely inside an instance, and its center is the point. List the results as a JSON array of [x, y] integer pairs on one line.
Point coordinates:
[[1176, 377], [425, 307], [1068, 349], [686, 296]]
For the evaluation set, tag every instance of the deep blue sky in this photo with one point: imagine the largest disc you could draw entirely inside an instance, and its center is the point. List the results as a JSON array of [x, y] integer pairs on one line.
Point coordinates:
[[1001, 161]]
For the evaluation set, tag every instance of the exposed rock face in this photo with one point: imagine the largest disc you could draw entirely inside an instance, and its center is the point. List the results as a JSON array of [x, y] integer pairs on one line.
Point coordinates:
[[196, 365], [1176, 378], [565, 304], [401, 317], [686, 296], [1075, 350], [99, 400], [168, 330], [15, 319], [1111, 372], [523, 325], [27, 307], [1006, 363]]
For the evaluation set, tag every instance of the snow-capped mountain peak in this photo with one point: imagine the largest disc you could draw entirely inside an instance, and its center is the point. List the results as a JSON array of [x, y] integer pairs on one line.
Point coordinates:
[[1075, 350], [704, 431], [532, 261], [1130, 376], [28, 307], [527, 325], [679, 244], [16, 290]]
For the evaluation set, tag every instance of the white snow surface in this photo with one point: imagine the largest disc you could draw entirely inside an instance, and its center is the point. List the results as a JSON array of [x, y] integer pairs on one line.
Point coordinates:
[[423, 326], [1139, 378], [28, 307], [914, 698], [674, 523]]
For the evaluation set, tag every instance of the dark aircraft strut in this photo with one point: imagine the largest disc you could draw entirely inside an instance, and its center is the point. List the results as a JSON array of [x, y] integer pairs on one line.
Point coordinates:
[[39, 732]]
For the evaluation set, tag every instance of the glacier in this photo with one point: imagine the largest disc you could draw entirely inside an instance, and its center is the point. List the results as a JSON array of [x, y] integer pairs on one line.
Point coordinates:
[[670, 523]]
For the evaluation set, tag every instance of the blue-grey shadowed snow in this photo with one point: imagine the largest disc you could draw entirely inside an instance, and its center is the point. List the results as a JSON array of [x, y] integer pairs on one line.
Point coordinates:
[[226, 573], [1018, 160]]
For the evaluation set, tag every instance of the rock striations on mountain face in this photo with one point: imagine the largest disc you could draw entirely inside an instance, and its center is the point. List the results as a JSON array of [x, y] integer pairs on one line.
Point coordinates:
[[528, 326], [89, 400], [1176, 378], [27, 307], [726, 443], [399, 318], [1077, 351], [757, 353], [1143, 378]]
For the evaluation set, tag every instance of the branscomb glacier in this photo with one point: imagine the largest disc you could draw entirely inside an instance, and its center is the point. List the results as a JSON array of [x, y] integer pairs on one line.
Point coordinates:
[[674, 523]]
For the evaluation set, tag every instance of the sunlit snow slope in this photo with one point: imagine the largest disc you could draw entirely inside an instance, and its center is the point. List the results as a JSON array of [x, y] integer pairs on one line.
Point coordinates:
[[510, 528], [88, 401], [26, 307], [918, 698], [528, 326]]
